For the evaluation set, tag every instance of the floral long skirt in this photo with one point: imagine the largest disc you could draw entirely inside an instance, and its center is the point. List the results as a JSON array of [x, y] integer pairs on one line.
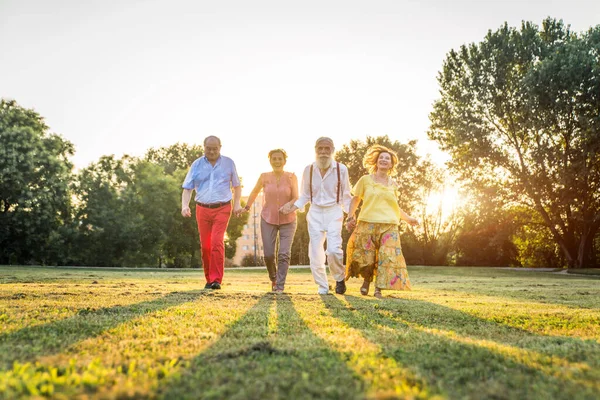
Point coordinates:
[[374, 251]]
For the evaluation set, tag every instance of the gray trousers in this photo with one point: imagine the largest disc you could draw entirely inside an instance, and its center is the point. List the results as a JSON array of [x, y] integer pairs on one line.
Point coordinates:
[[277, 273]]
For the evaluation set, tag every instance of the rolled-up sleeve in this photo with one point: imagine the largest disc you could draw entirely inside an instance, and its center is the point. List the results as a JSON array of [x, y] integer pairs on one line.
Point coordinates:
[[304, 195], [235, 179], [346, 188], [188, 182]]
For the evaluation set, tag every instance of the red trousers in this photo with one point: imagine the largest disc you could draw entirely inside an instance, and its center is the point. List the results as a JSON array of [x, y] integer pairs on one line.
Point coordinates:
[[212, 224]]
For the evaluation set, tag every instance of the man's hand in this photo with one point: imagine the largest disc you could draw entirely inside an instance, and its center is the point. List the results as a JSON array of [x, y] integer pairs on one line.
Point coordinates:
[[186, 212], [238, 210]]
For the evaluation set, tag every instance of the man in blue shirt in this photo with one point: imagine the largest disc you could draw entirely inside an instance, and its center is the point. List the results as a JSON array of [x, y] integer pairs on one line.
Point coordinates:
[[212, 177]]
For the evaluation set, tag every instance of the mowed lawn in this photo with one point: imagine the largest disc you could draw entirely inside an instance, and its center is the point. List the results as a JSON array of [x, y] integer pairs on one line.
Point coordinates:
[[460, 333]]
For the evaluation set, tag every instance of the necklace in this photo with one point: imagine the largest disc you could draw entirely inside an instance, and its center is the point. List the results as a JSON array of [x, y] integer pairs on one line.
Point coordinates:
[[382, 181]]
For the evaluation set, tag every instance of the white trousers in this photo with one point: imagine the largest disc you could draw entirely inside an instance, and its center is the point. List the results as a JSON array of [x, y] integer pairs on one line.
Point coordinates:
[[325, 223]]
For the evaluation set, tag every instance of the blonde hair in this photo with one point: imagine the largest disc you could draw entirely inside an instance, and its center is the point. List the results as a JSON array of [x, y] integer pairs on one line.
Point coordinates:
[[282, 151], [372, 155]]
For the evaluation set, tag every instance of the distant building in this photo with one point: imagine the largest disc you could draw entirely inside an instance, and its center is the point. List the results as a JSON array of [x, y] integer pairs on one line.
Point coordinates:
[[250, 233]]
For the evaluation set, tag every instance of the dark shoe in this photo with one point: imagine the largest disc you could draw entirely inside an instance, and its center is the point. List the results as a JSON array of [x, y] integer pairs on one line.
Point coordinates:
[[215, 285], [207, 286], [340, 287], [364, 289], [378, 293]]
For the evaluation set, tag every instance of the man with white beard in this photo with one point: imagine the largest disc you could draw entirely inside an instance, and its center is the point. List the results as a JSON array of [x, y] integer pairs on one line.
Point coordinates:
[[325, 184]]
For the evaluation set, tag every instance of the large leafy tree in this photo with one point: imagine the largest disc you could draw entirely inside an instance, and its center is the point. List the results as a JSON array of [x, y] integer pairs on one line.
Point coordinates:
[[181, 245], [109, 224], [520, 115], [35, 172]]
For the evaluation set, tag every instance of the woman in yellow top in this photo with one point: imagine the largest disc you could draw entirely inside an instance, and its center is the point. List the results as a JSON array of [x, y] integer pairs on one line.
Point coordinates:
[[374, 247]]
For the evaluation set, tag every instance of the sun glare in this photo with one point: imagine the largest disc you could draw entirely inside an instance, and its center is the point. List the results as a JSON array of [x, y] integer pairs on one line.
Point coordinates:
[[449, 199]]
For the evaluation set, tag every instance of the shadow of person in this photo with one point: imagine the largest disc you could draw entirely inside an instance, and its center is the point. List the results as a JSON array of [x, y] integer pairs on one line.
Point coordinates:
[[268, 353], [461, 355], [30, 343]]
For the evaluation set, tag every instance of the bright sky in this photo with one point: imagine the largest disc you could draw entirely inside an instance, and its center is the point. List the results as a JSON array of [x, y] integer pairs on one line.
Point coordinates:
[[119, 77]]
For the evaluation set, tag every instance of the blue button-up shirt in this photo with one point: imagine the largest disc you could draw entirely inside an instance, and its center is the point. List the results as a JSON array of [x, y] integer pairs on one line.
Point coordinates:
[[212, 184]]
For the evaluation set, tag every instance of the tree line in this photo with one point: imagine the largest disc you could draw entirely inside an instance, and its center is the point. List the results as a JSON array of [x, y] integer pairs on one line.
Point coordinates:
[[519, 113]]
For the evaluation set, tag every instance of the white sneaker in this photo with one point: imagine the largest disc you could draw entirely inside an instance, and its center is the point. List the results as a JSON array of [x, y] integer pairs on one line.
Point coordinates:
[[323, 291]]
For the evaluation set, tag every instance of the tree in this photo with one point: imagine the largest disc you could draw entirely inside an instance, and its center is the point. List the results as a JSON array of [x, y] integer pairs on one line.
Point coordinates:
[[109, 224], [518, 113], [485, 237], [182, 245], [431, 241], [233, 233], [179, 156], [299, 250], [155, 197], [35, 205]]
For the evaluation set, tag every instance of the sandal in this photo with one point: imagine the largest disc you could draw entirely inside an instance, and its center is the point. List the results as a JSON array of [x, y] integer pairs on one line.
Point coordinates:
[[378, 293], [364, 289]]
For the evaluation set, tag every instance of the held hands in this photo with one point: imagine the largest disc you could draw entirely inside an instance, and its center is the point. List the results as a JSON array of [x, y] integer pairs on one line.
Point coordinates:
[[237, 210], [186, 212], [288, 208], [350, 224], [240, 210]]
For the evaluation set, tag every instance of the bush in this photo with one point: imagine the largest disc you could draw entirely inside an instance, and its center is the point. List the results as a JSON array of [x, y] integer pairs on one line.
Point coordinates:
[[249, 261]]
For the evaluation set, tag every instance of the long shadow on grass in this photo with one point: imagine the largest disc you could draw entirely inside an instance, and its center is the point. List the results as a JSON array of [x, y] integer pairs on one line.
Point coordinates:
[[37, 341], [452, 362], [259, 359], [561, 293], [435, 316], [568, 290]]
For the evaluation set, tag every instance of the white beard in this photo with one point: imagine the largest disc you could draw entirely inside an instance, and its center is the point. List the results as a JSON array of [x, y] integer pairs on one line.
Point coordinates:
[[324, 164]]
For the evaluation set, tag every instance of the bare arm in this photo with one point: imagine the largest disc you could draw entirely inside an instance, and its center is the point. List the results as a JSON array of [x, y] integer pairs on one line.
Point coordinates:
[[294, 197], [408, 219], [185, 202], [237, 195], [299, 198], [351, 219], [257, 188]]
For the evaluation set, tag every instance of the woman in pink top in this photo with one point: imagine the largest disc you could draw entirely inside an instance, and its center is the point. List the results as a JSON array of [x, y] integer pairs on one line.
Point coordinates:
[[279, 188]]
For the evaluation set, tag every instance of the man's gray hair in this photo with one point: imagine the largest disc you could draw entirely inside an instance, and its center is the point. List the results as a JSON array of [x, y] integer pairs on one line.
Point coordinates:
[[211, 137], [324, 139]]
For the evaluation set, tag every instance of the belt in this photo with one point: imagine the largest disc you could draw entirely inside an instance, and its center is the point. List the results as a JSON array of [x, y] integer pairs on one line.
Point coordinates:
[[213, 205]]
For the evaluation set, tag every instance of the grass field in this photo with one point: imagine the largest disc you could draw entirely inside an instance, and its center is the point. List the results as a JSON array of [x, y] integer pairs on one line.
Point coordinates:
[[461, 333]]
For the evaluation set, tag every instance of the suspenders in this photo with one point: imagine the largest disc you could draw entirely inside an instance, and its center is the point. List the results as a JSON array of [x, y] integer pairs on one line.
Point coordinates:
[[338, 183]]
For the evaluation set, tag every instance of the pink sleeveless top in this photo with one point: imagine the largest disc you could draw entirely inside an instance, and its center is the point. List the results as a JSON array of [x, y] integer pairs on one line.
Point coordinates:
[[277, 192]]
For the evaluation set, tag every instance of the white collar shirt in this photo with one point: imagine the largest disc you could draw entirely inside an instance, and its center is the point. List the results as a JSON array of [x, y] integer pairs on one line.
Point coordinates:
[[324, 188]]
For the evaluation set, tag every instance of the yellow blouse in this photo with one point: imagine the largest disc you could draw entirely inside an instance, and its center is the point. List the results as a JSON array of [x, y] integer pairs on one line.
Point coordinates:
[[380, 202]]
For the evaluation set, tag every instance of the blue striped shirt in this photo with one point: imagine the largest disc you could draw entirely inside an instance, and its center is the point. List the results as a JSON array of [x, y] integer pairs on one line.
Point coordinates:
[[212, 184]]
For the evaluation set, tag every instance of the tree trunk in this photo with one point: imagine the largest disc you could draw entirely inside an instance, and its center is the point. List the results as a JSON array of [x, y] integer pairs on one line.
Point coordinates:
[[586, 242]]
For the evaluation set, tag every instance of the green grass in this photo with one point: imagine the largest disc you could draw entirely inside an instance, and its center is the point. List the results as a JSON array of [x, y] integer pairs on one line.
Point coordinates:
[[461, 333]]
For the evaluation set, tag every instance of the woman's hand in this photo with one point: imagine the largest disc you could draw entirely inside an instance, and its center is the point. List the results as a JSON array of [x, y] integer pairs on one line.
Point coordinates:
[[412, 221], [288, 208]]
